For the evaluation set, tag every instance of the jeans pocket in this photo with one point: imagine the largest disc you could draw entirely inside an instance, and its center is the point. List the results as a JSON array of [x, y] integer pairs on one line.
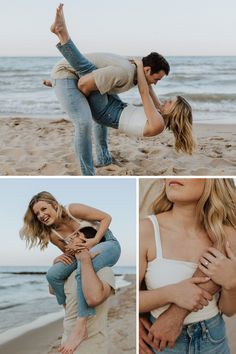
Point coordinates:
[[216, 333]]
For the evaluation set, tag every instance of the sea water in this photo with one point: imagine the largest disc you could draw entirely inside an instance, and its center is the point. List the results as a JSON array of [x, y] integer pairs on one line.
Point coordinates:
[[208, 83]]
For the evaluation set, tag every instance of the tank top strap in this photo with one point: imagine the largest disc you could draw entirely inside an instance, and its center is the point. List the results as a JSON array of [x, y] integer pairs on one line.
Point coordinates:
[[57, 233], [156, 235], [70, 215]]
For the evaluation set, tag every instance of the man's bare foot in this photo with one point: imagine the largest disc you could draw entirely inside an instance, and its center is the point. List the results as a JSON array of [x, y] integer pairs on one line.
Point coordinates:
[[59, 25], [47, 83], [78, 334]]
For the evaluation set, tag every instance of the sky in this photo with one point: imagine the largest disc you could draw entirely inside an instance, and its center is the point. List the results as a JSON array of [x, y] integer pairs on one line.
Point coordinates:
[[133, 27], [112, 195]]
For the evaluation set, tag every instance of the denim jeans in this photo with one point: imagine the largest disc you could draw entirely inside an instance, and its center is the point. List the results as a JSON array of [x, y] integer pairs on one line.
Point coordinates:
[[205, 337], [59, 272], [76, 106], [106, 109]]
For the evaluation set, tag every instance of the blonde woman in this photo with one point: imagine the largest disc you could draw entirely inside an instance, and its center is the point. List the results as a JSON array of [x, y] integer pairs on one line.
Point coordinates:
[[189, 217], [47, 221], [109, 110]]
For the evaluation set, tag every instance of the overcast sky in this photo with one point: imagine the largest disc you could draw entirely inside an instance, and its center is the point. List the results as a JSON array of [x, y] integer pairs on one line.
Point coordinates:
[[114, 196], [171, 27]]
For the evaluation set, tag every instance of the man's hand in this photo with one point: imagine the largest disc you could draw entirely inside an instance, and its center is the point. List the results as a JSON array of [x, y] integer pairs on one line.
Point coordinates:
[[144, 341], [88, 242], [64, 258], [165, 330], [85, 254]]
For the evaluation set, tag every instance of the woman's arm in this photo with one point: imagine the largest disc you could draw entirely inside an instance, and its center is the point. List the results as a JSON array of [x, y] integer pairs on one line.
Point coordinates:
[[85, 212], [154, 97], [155, 122]]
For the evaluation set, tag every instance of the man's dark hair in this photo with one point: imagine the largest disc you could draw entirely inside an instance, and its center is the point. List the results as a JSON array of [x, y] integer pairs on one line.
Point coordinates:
[[157, 63], [90, 232]]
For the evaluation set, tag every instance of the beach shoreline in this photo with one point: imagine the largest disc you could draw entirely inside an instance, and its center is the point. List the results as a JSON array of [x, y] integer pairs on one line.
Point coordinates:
[[45, 147], [45, 339]]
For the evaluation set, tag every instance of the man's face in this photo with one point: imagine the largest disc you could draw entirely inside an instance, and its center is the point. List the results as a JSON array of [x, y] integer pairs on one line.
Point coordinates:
[[153, 78]]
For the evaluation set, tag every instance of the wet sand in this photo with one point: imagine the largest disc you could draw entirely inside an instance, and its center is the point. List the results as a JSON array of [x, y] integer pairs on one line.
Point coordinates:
[[121, 329]]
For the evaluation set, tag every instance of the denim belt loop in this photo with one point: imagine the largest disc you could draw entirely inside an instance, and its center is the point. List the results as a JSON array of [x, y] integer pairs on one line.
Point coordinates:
[[204, 329]]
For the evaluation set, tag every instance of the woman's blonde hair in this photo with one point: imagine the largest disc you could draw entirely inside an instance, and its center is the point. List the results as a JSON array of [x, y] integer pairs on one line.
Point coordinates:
[[179, 119], [33, 231], [216, 207]]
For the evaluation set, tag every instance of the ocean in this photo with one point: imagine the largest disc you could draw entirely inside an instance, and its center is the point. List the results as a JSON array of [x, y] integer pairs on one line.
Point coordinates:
[[24, 297], [209, 83]]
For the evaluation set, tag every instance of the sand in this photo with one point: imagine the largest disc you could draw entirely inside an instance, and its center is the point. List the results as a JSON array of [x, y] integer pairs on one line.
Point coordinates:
[[46, 147], [121, 329]]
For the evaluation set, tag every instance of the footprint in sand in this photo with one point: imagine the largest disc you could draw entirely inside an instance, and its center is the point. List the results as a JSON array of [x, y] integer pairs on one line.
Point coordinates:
[[219, 162]]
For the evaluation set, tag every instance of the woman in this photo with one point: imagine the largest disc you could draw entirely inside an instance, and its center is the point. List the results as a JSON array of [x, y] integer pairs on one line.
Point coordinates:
[[47, 221], [190, 215], [109, 110]]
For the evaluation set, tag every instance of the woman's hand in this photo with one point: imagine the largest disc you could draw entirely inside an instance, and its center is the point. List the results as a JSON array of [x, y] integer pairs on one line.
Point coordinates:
[[64, 258], [190, 296], [88, 242], [220, 268], [138, 62]]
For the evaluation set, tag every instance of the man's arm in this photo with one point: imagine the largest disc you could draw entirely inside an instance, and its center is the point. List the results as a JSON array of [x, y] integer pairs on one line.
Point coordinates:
[[169, 325], [95, 291], [104, 80]]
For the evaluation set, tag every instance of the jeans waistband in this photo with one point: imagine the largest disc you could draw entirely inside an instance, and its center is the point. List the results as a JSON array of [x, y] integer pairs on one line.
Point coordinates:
[[197, 327]]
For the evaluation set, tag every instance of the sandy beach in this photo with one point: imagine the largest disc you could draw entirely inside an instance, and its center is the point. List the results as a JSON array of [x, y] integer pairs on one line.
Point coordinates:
[[34, 147], [121, 327]]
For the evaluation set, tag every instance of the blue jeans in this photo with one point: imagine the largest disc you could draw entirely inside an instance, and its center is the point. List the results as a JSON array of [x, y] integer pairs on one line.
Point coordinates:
[[106, 109], [76, 106], [205, 337], [59, 272]]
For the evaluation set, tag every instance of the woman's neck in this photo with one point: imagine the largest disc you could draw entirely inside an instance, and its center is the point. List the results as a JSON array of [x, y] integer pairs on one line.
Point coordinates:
[[186, 216]]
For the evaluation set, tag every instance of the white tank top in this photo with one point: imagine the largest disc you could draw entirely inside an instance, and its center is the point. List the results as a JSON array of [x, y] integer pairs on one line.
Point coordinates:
[[163, 271], [132, 121]]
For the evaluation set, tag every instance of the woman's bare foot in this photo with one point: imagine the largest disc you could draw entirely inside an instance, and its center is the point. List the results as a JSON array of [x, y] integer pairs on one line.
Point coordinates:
[[78, 334], [47, 83], [59, 26]]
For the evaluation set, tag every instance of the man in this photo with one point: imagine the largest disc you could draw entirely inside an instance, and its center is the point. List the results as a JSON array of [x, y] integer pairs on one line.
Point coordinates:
[[97, 288], [114, 74]]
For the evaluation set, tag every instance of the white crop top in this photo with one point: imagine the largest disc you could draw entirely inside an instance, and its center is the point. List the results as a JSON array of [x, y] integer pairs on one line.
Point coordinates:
[[132, 121], [163, 271], [81, 224]]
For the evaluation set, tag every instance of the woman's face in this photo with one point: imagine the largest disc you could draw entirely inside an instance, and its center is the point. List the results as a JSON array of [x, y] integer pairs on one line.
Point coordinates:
[[45, 212], [168, 105], [185, 190]]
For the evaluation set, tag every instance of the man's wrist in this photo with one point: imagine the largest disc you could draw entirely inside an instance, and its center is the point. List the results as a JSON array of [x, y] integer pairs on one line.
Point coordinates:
[[178, 312]]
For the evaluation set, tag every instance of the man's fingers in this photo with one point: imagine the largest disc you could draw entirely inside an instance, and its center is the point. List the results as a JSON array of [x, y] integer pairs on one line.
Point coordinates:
[[143, 348], [146, 323], [171, 344], [198, 280], [163, 344], [156, 344]]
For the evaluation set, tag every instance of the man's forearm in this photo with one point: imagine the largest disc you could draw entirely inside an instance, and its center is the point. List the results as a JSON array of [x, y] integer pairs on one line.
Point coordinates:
[[91, 284], [210, 286]]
